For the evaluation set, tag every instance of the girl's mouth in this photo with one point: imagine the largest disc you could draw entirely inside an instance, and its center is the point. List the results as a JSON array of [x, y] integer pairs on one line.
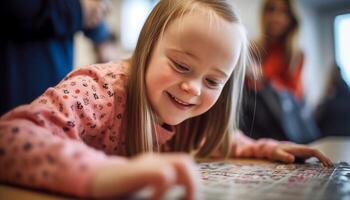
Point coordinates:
[[178, 103]]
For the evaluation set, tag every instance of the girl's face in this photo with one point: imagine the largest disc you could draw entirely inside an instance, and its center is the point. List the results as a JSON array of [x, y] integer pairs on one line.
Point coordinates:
[[276, 18], [190, 64]]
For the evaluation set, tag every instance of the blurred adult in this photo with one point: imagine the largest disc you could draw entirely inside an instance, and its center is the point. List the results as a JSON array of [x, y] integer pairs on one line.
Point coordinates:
[[281, 59], [36, 43], [274, 102]]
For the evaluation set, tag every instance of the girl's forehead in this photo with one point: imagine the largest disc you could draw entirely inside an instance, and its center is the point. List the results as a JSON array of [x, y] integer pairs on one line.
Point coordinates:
[[200, 18], [205, 35]]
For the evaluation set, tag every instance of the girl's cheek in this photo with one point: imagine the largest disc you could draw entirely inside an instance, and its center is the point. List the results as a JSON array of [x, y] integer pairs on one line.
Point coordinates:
[[211, 97], [159, 76], [168, 76]]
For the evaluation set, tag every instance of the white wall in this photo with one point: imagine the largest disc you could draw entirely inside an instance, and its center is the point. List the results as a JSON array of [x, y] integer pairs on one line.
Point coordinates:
[[249, 11]]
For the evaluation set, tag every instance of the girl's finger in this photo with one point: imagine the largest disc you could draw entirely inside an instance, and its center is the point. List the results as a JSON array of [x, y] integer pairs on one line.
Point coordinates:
[[306, 152], [186, 173], [283, 156], [167, 179], [323, 159]]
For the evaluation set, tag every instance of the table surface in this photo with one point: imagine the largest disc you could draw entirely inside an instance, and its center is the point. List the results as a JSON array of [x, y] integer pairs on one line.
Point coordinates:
[[336, 148]]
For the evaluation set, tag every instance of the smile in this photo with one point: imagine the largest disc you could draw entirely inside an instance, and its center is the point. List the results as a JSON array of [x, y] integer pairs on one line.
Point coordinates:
[[179, 102]]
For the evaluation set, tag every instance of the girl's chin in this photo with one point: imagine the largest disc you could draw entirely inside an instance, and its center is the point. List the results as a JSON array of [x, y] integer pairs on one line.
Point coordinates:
[[172, 122]]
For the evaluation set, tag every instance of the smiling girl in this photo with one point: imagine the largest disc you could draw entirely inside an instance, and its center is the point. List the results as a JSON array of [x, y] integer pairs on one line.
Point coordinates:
[[179, 92]]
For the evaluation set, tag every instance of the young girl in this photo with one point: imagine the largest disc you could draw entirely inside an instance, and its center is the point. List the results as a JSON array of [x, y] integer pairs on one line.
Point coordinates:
[[180, 92]]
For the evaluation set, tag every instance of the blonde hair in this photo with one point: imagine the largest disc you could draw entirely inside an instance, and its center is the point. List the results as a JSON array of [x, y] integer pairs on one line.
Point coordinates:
[[201, 134], [293, 53]]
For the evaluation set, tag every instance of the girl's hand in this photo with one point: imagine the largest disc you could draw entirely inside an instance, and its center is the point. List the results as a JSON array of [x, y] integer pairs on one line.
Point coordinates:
[[288, 152], [160, 171]]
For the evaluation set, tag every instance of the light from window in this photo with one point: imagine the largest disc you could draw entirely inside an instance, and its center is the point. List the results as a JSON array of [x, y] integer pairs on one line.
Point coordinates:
[[133, 16], [342, 44]]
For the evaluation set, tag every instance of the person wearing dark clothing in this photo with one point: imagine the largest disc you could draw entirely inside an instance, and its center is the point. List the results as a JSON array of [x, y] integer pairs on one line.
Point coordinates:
[[277, 114], [274, 104], [36, 44], [333, 114]]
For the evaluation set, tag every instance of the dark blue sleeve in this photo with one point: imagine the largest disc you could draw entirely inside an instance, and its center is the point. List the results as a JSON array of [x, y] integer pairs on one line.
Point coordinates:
[[40, 18], [98, 34]]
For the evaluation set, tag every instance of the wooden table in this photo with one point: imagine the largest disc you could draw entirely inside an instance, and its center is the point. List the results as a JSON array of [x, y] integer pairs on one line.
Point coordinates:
[[336, 148]]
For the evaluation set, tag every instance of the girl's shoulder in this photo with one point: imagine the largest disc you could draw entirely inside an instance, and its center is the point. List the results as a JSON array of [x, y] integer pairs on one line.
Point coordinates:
[[112, 69], [110, 73]]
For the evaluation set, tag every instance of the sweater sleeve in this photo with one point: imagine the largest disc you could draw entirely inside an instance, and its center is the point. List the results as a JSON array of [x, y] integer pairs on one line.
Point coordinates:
[[245, 147], [44, 144]]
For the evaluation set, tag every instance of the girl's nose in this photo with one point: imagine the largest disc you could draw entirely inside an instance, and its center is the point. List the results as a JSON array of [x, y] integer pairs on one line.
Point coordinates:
[[191, 87]]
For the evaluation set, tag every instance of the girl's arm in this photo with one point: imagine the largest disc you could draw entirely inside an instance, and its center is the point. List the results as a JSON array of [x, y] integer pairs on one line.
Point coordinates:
[[245, 147], [44, 144], [57, 142]]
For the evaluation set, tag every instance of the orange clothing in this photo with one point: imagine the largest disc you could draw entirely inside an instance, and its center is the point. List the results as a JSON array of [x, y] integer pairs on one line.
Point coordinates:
[[276, 70]]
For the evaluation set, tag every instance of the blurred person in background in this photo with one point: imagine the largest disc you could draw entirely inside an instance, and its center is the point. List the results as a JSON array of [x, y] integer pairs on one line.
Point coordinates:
[[36, 44], [274, 102], [333, 113]]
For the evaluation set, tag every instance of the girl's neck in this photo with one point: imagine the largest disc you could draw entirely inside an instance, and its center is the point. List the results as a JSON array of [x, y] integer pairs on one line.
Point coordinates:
[[167, 127], [161, 123]]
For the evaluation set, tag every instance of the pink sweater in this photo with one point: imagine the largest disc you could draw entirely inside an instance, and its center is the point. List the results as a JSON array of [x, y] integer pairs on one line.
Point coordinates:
[[60, 140]]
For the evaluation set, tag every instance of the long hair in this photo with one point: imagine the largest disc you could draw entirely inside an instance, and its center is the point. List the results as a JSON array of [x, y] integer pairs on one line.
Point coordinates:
[[292, 51], [201, 134]]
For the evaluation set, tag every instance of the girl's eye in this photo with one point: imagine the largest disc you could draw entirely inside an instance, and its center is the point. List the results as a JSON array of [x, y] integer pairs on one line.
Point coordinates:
[[181, 68], [213, 84]]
